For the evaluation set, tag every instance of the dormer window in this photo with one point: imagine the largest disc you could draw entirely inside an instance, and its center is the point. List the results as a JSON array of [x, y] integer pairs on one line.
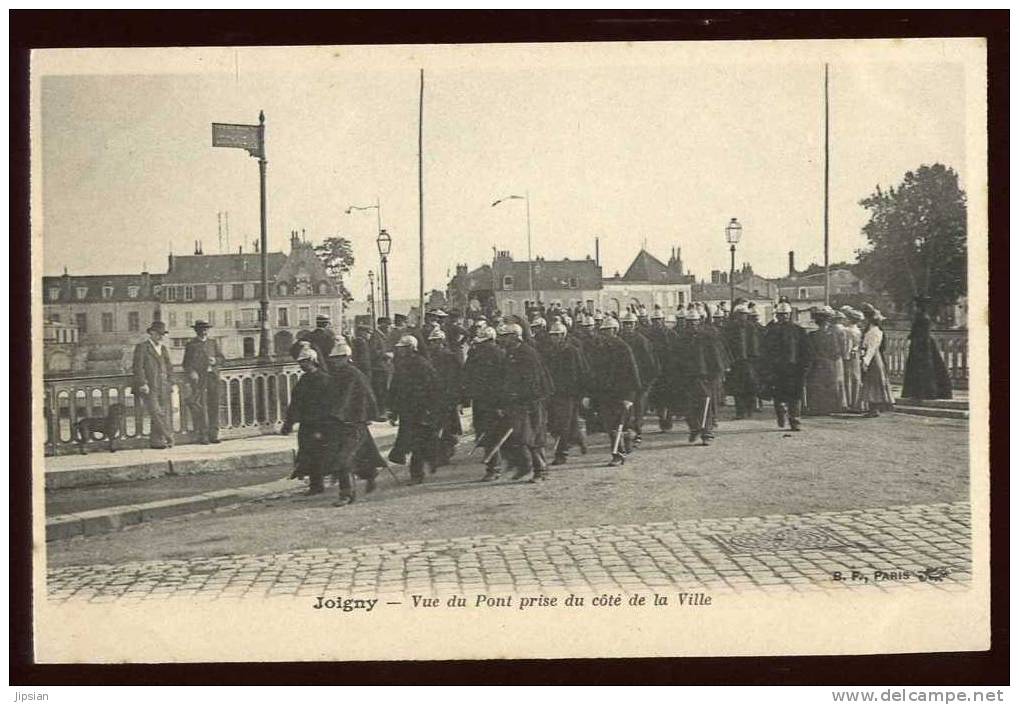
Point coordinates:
[[507, 282], [81, 292], [283, 289], [107, 292], [574, 283], [132, 292], [323, 288], [54, 294]]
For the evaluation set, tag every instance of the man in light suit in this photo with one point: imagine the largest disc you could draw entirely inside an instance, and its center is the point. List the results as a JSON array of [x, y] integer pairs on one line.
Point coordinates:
[[202, 359], [152, 369]]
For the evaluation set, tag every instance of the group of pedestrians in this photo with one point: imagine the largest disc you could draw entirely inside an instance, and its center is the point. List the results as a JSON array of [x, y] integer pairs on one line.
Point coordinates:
[[539, 385]]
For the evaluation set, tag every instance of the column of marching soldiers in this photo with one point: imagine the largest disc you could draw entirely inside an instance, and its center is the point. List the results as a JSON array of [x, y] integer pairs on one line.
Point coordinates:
[[530, 382]]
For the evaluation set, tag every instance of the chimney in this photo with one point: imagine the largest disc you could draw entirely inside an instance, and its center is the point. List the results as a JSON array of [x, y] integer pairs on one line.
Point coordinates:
[[597, 252], [792, 263], [169, 263]]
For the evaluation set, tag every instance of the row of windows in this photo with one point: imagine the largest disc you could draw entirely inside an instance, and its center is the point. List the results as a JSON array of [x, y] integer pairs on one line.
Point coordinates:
[[571, 283], [107, 322], [284, 317], [81, 292], [226, 292]]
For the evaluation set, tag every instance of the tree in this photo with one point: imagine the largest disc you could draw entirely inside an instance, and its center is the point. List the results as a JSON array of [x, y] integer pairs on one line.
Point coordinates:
[[917, 237], [337, 254]]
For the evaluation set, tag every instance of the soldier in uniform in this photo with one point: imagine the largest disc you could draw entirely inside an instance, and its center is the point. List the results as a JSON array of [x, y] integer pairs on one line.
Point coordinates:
[[787, 358], [662, 397], [362, 352], [714, 328], [648, 366], [312, 407], [743, 341], [202, 359], [151, 372], [447, 367], [566, 367], [484, 372], [457, 336], [615, 384], [700, 360], [381, 364], [322, 338], [415, 398], [525, 387]]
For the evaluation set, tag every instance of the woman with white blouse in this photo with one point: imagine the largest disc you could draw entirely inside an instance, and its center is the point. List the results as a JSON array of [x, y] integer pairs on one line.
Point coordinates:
[[876, 394]]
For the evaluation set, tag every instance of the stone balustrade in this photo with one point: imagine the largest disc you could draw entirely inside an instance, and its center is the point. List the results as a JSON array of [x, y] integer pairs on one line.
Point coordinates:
[[953, 345], [253, 398]]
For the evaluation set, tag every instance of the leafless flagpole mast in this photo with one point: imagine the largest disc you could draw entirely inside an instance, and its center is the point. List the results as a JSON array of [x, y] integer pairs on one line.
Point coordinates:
[[263, 342], [421, 202], [827, 273]]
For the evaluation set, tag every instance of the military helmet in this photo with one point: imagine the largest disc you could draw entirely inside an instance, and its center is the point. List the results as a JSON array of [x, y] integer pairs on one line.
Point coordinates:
[[783, 307], [657, 314], [511, 329], [628, 317], [437, 334], [557, 329], [484, 333], [609, 323], [407, 341], [539, 322]]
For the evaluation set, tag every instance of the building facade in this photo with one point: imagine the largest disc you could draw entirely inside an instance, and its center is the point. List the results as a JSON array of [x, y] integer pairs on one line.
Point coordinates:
[[647, 282], [108, 313], [513, 287], [225, 291]]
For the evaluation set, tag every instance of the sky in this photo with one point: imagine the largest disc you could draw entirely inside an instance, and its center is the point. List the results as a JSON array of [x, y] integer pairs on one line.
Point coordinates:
[[662, 150]]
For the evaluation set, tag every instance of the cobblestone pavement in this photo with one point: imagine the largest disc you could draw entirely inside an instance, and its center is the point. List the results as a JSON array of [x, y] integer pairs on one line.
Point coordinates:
[[922, 546]]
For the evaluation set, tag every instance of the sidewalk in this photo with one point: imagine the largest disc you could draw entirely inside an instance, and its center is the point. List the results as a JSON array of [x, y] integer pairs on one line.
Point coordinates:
[[65, 471]]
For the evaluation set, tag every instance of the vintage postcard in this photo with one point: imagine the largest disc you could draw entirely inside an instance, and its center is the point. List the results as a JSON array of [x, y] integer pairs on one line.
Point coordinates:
[[510, 351]]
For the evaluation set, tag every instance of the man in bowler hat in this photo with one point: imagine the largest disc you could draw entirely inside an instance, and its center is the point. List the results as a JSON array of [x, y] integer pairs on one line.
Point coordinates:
[[151, 372], [202, 359]]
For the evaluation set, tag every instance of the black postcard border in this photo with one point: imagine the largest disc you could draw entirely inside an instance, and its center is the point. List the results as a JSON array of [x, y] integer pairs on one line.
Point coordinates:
[[42, 29]]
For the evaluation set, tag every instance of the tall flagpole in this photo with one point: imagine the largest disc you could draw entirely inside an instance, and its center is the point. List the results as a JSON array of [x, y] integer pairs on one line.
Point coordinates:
[[263, 343], [827, 273], [530, 263], [421, 203]]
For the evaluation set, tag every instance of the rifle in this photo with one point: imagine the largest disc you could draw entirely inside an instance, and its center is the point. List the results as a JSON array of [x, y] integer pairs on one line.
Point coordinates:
[[491, 454]]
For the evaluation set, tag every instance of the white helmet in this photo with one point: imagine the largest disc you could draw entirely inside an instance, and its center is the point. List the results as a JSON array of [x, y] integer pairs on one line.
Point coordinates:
[[511, 329], [484, 333], [437, 334], [539, 322], [783, 307], [307, 353], [628, 317], [692, 314], [407, 341], [557, 329], [609, 323], [657, 314]]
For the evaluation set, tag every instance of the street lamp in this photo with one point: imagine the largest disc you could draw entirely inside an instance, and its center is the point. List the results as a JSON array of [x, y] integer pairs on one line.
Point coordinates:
[[385, 244], [526, 198], [733, 232]]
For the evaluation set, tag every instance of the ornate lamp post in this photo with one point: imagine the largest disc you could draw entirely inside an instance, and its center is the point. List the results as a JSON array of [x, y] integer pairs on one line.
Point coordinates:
[[385, 244], [733, 232]]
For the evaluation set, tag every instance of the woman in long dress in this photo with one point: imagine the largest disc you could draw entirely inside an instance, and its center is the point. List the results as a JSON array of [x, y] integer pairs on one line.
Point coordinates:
[[876, 394], [926, 376], [851, 361], [825, 382]]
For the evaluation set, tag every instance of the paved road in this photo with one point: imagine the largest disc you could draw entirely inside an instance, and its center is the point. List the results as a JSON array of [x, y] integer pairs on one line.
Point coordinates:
[[922, 547], [753, 469], [890, 491]]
